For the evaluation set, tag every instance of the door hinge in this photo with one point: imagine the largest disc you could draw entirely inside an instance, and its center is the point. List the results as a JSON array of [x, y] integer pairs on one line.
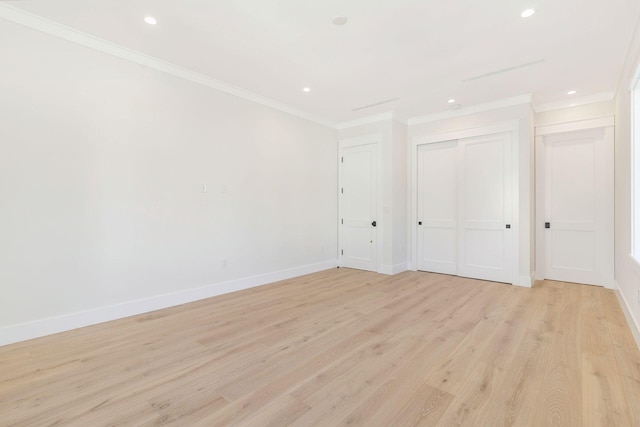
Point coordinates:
[[342, 221], [341, 159], [342, 252], [342, 190]]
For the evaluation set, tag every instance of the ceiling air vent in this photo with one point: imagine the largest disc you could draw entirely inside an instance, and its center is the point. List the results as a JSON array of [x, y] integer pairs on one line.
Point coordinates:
[[505, 70], [376, 104]]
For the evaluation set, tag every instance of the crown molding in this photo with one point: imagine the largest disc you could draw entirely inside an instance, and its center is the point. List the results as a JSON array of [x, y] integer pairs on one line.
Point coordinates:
[[64, 32], [472, 109], [574, 102]]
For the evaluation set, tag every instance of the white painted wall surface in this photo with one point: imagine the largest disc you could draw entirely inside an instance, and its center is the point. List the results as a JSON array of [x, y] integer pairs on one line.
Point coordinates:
[[577, 113], [627, 273], [399, 195], [101, 171]]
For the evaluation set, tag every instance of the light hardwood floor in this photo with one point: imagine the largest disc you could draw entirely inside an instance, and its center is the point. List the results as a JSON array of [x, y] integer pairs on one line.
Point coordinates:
[[341, 347]]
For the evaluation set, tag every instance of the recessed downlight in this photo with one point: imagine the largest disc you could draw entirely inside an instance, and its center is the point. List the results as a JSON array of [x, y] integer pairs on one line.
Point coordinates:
[[150, 20], [451, 101], [571, 92], [339, 20], [306, 89], [527, 13]]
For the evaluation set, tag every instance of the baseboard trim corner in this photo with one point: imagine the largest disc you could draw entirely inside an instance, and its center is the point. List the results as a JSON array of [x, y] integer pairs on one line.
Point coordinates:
[[52, 325], [631, 321], [391, 270], [524, 281]]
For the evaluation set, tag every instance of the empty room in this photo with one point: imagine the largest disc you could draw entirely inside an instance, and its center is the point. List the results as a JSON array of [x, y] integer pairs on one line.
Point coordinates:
[[290, 213]]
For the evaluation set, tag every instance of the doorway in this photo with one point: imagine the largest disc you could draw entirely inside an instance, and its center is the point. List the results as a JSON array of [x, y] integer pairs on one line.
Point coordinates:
[[358, 205], [574, 203]]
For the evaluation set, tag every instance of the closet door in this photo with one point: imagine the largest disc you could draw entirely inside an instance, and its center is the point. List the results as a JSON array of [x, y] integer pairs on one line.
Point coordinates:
[[484, 197], [438, 207]]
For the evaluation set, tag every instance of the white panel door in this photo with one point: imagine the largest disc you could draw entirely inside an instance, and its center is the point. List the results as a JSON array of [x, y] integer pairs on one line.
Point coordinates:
[[575, 179], [358, 207], [438, 207], [484, 231]]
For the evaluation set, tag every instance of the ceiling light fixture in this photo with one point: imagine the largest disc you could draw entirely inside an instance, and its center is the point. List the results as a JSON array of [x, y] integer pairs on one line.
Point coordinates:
[[571, 92], [527, 13], [306, 89], [340, 20], [150, 20], [451, 101]]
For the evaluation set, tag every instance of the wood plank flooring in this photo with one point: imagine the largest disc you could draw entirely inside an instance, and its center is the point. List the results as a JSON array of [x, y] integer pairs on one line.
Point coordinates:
[[336, 348]]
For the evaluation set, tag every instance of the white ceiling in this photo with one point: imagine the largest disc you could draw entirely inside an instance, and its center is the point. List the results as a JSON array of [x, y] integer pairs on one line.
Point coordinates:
[[422, 52]]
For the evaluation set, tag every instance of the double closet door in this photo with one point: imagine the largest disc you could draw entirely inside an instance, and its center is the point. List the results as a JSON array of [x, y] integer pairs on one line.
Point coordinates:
[[465, 207]]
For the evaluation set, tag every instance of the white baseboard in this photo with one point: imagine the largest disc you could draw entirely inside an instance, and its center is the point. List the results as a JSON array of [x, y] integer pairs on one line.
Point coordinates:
[[524, 281], [393, 269], [633, 323], [52, 325]]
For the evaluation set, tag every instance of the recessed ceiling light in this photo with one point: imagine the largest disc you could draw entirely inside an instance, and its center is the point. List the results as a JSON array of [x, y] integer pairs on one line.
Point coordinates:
[[306, 89], [527, 13], [451, 101], [571, 92], [150, 20], [340, 20]]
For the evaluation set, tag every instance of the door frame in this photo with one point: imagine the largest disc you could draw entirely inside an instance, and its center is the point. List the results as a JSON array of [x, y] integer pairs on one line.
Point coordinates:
[[512, 127], [607, 123], [370, 139]]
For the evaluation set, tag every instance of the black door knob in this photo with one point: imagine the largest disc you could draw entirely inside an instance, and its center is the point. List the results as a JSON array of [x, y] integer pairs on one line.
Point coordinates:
[[547, 225], [373, 224], [419, 222]]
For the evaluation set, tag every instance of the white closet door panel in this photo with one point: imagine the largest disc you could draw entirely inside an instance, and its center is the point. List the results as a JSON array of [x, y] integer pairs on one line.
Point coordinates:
[[437, 207], [484, 182], [485, 208], [484, 249]]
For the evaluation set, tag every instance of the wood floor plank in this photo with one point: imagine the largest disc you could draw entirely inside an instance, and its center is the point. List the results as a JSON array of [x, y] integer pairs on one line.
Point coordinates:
[[560, 392], [603, 400], [340, 347], [406, 398]]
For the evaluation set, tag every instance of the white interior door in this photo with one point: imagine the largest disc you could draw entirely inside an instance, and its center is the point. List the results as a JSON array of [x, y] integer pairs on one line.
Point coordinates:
[[577, 182], [484, 231], [438, 207], [358, 207]]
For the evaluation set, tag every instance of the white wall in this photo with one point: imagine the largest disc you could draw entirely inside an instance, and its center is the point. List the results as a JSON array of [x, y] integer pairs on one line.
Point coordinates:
[[577, 113], [399, 196], [627, 273], [523, 115], [101, 168]]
